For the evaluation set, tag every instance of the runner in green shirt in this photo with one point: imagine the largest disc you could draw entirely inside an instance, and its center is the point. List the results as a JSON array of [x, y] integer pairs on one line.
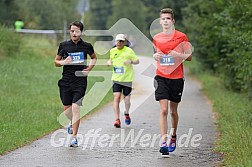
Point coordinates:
[[122, 58]]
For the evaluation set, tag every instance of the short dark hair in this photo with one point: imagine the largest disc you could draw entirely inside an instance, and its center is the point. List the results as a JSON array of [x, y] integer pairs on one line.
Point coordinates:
[[77, 24], [167, 10]]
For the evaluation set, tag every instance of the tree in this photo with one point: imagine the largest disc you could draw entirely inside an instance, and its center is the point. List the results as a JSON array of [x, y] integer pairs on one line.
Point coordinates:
[[131, 9], [97, 16], [203, 31], [152, 9], [46, 14], [8, 12], [39, 14], [221, 33]]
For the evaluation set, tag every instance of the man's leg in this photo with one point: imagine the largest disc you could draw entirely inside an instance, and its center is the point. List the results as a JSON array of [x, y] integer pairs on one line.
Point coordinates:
[[176, 87], [127, 107], [68, 112], [163, 125], [127, 104], [69, 115], [117, 98], [174, 125], [75, 124], [66, 98], [174, 117], [163, 118], [127, 88], [76, 118]]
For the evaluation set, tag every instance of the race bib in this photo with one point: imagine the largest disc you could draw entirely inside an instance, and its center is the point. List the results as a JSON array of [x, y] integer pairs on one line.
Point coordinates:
[[166, 60], [118, 70], [77, 57]]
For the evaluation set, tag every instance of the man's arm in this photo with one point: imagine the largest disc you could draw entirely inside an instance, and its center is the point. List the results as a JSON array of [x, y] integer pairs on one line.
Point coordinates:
[[185, 53], [184, 56], [109, 62], [58, 62], [135, 61], [128, 62], [91, 64], [92, 61], [157, 56]]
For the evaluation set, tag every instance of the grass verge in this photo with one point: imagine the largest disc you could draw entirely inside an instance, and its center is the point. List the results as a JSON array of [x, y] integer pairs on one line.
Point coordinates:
[[234, 120], [29, 101]]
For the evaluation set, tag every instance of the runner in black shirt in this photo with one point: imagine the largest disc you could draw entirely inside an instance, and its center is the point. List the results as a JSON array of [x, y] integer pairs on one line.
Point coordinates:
[[72, 55]]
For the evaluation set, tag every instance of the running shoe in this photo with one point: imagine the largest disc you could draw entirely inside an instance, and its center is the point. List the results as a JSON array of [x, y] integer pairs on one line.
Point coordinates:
[[172, 145], [127, 119], [73, 142], [70, 128], [164, 149], [117, 123]]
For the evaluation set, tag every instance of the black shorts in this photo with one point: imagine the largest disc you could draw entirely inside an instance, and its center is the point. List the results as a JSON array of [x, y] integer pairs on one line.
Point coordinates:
[[124, 87], [170, 89], [72, 91]]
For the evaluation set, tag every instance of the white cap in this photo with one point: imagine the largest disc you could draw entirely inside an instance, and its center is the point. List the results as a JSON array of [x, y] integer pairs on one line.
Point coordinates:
[[120, 37]]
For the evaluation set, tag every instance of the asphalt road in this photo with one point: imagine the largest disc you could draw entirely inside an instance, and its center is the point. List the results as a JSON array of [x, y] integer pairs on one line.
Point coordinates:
[[100, 144]]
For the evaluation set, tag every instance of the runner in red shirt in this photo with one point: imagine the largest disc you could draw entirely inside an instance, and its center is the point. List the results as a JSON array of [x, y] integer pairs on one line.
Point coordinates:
[[171, 49]]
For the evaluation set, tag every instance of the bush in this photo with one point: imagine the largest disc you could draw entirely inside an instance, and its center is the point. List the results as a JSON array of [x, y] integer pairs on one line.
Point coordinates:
[[10, 42], [221, 33]]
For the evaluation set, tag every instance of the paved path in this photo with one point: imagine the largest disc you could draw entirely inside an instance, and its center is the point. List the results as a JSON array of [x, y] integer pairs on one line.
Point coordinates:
[[134, 145]]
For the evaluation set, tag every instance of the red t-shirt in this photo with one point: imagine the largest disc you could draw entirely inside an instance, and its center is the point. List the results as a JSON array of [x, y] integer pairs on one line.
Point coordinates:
[[163, 43]]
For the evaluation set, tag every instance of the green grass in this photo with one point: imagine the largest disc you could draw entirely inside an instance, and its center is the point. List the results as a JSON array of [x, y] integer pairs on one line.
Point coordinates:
[[234, 118], [29, 101]]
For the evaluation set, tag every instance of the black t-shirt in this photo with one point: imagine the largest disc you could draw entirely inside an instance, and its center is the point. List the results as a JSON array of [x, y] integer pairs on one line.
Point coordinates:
[[79, 53]]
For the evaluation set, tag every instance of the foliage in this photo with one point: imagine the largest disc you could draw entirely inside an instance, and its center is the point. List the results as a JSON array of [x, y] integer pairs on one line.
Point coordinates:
[[220, 30], [40, 14], [10, 42], [8, 12], [93, 19], [135, 13], [152, 9], [238, 61]]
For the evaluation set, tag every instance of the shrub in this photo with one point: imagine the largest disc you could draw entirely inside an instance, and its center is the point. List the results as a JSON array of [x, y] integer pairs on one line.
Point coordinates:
[[10, 42]]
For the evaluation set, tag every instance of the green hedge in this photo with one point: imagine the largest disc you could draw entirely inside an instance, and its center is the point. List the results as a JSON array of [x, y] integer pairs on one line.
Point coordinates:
[[10, 42]]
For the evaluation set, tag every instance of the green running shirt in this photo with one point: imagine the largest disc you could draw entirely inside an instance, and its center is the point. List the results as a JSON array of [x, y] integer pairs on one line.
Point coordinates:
[[121, 72]]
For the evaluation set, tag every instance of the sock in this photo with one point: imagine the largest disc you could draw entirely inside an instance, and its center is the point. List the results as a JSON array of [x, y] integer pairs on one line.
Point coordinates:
[[174, 136]]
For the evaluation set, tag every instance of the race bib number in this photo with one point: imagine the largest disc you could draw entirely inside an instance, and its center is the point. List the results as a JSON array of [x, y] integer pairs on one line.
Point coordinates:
[[166, 60], [119, 70], [77, 57]]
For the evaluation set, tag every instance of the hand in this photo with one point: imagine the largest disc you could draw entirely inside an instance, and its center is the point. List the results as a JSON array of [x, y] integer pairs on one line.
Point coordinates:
[[86, 71], [176, 54], [67, 60], [109, 63], [173, 54], [157, 56], [127, 62]]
